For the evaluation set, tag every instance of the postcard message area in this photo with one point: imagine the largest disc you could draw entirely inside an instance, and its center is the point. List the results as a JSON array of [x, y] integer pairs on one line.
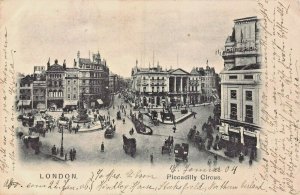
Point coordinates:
[[277, 172]]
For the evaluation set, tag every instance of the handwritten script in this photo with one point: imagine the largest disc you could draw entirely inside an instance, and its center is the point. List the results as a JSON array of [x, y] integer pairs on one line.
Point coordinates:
[[7, 87], [280, 100]]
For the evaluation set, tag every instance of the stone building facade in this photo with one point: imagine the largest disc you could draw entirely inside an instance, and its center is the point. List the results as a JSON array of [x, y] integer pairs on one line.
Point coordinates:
[[241, 85]]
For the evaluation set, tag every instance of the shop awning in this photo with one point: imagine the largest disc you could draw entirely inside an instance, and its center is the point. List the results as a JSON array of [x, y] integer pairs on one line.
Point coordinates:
[[70, 103], [24, 102], [41, 106], [240, 123], [100, 101]]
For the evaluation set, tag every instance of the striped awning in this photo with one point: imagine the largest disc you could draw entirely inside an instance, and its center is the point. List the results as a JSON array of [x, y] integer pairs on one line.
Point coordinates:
[[70, 102], [24, 102]]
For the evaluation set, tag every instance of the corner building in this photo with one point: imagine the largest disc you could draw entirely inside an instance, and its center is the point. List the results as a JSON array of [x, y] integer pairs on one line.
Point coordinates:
[[241, 87]]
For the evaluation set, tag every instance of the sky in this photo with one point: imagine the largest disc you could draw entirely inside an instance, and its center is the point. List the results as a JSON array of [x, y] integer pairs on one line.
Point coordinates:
[[180, 34]]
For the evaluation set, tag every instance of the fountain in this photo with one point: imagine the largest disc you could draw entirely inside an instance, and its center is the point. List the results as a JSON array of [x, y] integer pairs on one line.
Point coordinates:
[[82, 116]]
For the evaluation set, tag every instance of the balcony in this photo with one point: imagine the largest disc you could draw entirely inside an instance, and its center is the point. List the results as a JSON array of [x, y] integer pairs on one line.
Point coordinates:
[[249, 119], [233, 117]]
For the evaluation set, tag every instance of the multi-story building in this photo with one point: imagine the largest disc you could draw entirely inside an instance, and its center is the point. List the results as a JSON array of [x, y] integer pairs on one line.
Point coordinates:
[[71, 95], [19, 76], [208, 81], [93, 81], [25, 92], [55, 79], [157, 87], [39, 87], [195, 87], [149, 85], [114, 83], [241, 85], [39, 92]]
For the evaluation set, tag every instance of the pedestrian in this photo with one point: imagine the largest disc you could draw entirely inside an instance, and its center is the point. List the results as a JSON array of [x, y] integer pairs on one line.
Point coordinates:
[[151, 157], [71, 154], [209, 162], [250, 162], [74, 154], [66, 155], [113, 121], [215, 159], [102, 147], [53, 150], [123, 120], [194, 113]]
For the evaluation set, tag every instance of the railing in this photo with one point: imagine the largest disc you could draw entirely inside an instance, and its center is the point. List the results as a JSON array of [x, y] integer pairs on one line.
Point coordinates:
[[233, 117], [249, 119]]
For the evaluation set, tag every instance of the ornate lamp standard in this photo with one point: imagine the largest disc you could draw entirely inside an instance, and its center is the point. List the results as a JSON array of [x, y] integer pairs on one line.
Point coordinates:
[[62, 142]]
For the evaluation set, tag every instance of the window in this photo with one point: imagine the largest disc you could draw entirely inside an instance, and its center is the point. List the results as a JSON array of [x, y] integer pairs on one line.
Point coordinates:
[[248, 76], [233, 111], [75, 89], [249, 114], [69, 89], [233, 94], [152, 89], [74, 81], [163, 89], [69, 96], [232, 76], [157, 89], [249, 95], [69, 82]]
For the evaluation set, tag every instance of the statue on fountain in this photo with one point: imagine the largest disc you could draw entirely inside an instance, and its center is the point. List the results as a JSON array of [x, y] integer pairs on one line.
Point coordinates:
[[82, 116]]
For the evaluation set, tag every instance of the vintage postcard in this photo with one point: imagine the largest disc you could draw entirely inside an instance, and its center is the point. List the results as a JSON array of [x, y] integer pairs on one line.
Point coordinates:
[[149, 97]]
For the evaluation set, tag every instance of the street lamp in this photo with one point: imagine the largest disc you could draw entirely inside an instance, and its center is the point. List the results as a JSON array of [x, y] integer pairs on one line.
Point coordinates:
[[62, 142]]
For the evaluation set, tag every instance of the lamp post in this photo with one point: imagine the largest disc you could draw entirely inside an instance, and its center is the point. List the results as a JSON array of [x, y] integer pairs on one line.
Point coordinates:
[[62, 142]]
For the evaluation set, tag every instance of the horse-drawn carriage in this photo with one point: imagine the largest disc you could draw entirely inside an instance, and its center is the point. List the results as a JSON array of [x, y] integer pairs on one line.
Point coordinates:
[[181, 152], [109, 132], [27, 120], [154, 117], [169, 116], [40, 128], [191, 134], [33, 142], [129, 145], [167, 147]]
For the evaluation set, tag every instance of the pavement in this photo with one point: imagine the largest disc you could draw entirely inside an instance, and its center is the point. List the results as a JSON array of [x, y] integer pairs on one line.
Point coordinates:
[[88, 144]]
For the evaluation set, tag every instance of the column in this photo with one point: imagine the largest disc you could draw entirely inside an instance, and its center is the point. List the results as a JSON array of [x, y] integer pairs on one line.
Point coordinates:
[[242, 135], [257, 139], [175, 84], [181, 84], [149, 84]]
